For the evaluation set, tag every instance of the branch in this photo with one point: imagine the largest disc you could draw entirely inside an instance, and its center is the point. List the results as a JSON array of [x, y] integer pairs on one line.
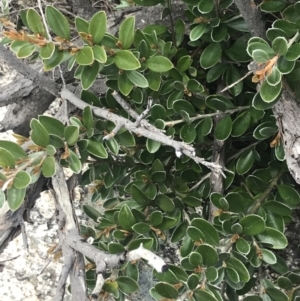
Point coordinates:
[[39, 80], [252, 17], [197, 117], [259, 202], [180, 147], [236, 82]]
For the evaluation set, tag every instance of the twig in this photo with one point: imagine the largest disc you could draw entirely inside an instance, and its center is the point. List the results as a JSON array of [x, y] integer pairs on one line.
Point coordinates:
[[236, 82], [58, 247], [24, 235], [49, 37], [197, 117], [242, 150], [16, 11], [148, 133], [201, 181], [98, 287], [133, 113], [145, 113], [259, 202], [114, 132]]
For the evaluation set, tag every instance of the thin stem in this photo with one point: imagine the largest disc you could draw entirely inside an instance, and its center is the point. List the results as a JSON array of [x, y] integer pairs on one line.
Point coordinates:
[[169, 5], [260, 201], [236, 82], [241, 151], [197, 117], [293, 39], [49, 37]]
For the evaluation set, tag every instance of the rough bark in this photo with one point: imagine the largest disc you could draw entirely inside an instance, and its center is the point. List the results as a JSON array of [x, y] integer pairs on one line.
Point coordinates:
[[287, 110]]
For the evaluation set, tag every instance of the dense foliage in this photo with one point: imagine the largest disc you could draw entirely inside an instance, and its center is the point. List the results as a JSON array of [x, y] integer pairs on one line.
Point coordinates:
[[151, 193]]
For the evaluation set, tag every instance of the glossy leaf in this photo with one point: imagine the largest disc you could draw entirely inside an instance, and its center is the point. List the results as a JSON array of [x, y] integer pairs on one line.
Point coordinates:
[[159, 64], [97, 26], [125, 60], [57, 22], [211, 55], [15, 197], [126, 32]]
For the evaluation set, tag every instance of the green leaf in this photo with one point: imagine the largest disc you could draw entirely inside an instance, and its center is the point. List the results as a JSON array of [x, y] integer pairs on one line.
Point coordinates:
[[245, 162], [241, 124], [26, 51], [85, 56], [58, 22], [137, 79], [124, 84], [232, 76], [112, 145], [211, 234], [223, 128], [48, 167], [211, 55], [97, 149], [280, 45], [125, 60], [89, 74], [126, 32], [268, 256], [260, 56], [205, 6], [152, 146], [208, 254], [188, 133], [22, 179], [197, 32], [252, 224], [115, 248], [166, 290], [273, 7], [184, 63], [52, 125], [239, 267], [35, 22], [54, 60], [72, 134], [74, 162], [127, 285], [154, 80], [97, 26], [15, 197], [91, 212], [276, 294], [274, 78], [81, 25], [242, 245], [200, 295], [126, 218], [179, 232], [39, 134], [14, 149], [219, 33], [159, 64], [141, 228], [165, 203], [99, 54], [47, 51], [275, 238], [293, 52], [288, 194], [285, 66]]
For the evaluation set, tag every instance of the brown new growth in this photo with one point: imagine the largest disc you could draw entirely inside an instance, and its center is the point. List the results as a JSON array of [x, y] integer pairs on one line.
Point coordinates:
[[260, 75], [22, 36], [276, 141]]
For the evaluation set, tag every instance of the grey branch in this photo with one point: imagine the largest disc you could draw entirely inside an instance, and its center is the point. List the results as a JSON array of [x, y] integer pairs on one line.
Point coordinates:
[[181, 147], [252, 16]]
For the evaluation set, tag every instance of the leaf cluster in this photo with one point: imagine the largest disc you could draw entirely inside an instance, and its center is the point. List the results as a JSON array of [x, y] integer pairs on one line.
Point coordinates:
[[149, 194]]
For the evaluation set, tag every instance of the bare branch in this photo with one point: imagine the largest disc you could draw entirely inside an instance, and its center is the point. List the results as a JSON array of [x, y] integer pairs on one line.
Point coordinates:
[[252, 17], [236, 82], [179, 147]]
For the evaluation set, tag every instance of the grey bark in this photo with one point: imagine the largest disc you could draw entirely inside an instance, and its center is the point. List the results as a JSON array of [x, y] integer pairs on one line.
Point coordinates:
[[287, 110]]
